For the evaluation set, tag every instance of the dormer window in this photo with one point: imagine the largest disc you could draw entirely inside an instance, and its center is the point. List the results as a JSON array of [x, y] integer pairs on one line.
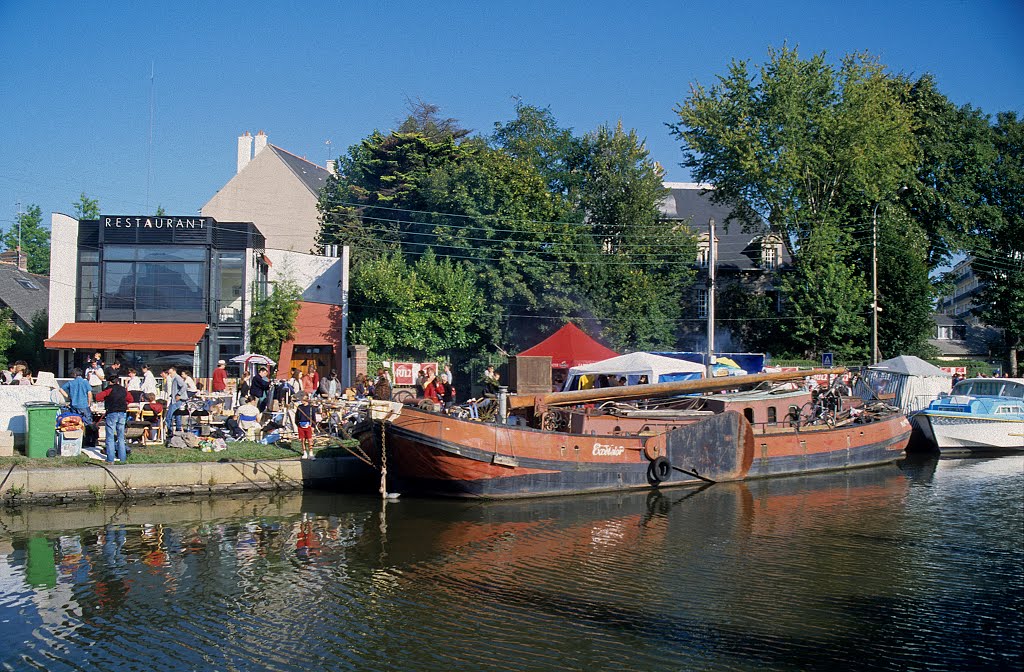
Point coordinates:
[[703, 250], [771, 251]]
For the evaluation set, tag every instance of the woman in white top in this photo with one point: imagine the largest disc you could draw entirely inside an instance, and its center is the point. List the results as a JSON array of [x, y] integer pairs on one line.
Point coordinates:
[[148, 381], [190, 383], [134, 382]]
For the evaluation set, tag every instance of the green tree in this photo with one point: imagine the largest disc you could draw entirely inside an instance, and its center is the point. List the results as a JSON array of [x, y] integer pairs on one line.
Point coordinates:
[[426, 309], [793, 142], [7, 332], [998, 243], [34, 237], [273, 318], [160, 212], [28, 345], [827, 298], [906, 293], [946, 193], [86, 208], [647, 264]]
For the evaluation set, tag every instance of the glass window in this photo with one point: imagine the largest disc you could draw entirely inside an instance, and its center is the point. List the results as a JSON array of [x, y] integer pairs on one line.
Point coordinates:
[[702, 303], [229, 306], [88, 291], [153, 253], [169, 286], [118, 285]]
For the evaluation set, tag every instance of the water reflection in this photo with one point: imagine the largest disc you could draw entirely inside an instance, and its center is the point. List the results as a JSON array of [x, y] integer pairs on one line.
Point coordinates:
[[885, 568]]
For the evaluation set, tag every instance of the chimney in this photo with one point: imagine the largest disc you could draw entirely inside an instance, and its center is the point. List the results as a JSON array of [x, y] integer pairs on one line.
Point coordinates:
[[261, 142], [332, 166], [22, 260], [244, 150]]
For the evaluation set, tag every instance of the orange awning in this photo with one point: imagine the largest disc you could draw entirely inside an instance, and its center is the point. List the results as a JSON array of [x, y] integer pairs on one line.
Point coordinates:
[[175, 336]]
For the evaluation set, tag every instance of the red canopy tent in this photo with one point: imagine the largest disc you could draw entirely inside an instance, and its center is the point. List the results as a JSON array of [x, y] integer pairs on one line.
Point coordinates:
[[569, 347]]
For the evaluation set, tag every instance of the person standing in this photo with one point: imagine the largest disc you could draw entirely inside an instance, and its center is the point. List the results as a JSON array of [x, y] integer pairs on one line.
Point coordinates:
[[260, 386], [382, 386], [95, 376], [305, 420], [309, 384], [148, 381], [115, 406], [112, 373], [177, 394], [79, 394], [447, 391], [219, 381]]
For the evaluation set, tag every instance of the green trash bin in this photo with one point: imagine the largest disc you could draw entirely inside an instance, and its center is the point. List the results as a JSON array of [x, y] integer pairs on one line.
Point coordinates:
[[42, 428]]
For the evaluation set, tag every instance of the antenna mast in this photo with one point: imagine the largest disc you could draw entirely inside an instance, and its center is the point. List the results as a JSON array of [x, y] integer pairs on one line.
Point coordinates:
[[149, 160]]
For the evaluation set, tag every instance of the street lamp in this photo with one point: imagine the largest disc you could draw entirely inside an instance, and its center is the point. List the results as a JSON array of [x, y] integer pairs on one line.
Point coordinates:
[[874, 277]]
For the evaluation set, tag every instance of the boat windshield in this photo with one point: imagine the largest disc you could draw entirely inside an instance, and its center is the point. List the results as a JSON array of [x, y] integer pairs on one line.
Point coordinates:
[[989, 387]]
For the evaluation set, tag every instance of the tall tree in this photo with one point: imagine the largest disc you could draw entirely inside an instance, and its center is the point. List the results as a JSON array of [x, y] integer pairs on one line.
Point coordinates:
[[827, 298], [648, 263], [86, 208], [998, 244], [34, 239], [788, 143], [946, 192], [906, 293]]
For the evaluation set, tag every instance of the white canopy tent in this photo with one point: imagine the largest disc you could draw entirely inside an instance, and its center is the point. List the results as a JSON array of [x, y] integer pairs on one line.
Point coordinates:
[[914, 381], [655, 368]]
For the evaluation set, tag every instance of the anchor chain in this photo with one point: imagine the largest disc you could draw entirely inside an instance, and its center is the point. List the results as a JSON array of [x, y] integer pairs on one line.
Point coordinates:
[[383, 461]]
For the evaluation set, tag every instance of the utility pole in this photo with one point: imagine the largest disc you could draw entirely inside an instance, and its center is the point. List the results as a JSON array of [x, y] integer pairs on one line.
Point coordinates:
[[711, 297], [874, 285]]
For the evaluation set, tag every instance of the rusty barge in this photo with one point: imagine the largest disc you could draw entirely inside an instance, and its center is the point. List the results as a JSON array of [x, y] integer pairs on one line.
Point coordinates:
[[634, 437]]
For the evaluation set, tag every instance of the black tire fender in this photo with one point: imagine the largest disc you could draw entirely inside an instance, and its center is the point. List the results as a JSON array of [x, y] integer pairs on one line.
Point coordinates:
[[659, 470]]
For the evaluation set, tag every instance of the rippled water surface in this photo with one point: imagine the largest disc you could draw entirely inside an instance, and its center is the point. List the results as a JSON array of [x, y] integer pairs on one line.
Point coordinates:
[[916, 566]]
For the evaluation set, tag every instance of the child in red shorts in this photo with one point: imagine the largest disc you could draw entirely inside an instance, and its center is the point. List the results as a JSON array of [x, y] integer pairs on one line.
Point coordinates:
[[305, 418]]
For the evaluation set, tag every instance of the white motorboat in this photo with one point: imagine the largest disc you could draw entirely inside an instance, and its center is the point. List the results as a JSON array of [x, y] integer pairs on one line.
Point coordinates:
[[980, 414]]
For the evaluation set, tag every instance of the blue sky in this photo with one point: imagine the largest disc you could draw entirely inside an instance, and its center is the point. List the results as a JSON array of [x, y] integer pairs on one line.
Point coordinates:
[[75, 76]]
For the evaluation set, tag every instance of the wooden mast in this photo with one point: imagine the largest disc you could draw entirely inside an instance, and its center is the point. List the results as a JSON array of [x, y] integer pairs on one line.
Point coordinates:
[[629, 392]]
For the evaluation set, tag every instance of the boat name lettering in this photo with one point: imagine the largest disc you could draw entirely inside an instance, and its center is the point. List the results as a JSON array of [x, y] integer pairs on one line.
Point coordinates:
[[608, 449]]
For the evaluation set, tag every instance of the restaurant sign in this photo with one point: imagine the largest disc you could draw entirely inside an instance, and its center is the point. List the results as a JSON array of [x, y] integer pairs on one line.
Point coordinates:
[[144, 222]]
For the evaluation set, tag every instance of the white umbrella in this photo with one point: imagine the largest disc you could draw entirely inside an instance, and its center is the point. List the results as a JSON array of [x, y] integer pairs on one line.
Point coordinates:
[[253, 358]]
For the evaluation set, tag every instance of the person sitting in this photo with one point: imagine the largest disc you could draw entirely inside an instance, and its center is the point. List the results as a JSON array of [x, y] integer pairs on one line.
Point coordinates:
[[248, 417], [330, 386]]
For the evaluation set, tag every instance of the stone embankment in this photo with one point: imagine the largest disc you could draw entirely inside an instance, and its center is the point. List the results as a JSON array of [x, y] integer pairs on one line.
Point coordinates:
[[100, 482]]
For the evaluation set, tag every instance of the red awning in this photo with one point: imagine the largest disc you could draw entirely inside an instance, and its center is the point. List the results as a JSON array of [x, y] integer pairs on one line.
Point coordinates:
[[175, 336], [568, 347]]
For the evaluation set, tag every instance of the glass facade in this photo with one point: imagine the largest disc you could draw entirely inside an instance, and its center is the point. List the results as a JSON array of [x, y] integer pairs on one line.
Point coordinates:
[[170, 269]]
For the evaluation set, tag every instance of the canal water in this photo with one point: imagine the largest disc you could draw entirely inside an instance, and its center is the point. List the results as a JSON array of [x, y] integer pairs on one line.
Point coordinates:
[[918, 565]]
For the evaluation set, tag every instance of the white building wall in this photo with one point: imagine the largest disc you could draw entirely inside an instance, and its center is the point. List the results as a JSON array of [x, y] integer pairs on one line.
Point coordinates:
[[268, 194], [318, 276], [63, 271]]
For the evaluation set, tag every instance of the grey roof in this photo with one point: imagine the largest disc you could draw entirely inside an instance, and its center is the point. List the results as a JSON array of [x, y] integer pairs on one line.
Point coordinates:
[[738, 247], [17, 293], [911, 366], [943, 320], [311, 175]]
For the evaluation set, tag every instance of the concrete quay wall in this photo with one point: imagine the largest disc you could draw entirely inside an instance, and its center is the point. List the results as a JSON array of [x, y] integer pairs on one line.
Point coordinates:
[[100, 482]]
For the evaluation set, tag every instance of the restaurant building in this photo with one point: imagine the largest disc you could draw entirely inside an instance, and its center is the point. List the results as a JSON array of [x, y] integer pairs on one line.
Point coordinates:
[[156, 290]]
